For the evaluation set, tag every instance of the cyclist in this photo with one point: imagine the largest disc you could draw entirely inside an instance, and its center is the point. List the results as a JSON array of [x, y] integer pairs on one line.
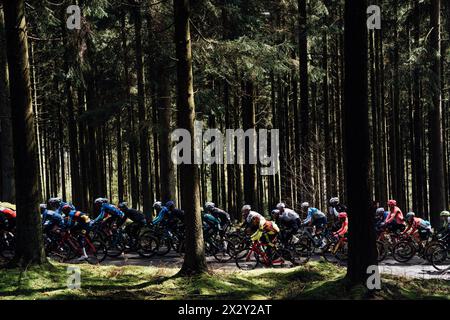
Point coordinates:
[[247, 215], [219, 214], [51, 220], [315, 217], [419, 228], [136, 216], [445, 217], [287, 218], [175, 216], [335, 207], [380, 219], [7, 219], [79, 225], [444, 231], [395, 221], [108, 213], [288, 215], [343, 219], [161, 213], [211, 225], [267, 230], [56, 204]]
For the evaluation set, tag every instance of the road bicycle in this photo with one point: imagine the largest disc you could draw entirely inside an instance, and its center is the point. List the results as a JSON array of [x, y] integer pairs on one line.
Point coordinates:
[[65, 246]]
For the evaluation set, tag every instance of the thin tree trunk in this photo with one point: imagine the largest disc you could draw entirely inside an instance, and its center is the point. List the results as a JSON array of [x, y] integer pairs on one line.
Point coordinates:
[[167, 169]]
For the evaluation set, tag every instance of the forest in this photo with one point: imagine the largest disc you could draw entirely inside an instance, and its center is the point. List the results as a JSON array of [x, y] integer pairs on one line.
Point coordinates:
[[363, 114]]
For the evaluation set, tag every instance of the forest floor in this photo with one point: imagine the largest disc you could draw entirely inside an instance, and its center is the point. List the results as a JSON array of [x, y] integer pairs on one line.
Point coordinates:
[[315, 280], [415, 268]]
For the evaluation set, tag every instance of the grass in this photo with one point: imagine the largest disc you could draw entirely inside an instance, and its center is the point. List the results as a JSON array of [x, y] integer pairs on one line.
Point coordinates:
[[316, 280]]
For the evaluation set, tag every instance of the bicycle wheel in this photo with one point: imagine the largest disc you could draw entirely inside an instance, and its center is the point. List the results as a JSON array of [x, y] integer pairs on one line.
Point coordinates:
[[440, 258], [60, 253], [328, 253], [148, 245], [302, 252], [165, 245], [115, 246], [429, 250], [96, 251], [403, 251], [381, 249], [224, 250], [247, 260]]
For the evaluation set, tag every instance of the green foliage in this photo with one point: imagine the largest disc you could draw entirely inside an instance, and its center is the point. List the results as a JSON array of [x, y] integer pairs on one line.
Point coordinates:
[[316, 280]]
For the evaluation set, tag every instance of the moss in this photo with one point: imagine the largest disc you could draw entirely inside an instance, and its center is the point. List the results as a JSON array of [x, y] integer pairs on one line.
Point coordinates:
[[315, 280]]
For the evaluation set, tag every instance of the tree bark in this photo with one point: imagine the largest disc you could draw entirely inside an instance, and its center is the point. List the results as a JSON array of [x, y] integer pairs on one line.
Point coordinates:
[[362, 249], [143, 126], [194, 259], [29, 244], [167, 169], [7, 186], [437, 182], [248, 120]]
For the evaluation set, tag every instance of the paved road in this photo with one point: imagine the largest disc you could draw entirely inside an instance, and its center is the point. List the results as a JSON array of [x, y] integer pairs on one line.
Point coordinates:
[[416, 268]]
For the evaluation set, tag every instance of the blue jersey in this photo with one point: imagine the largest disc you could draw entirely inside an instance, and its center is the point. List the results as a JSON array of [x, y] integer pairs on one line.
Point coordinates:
[[109, 209], [161, 215], [50, 217], [209, 221], [314, 214]]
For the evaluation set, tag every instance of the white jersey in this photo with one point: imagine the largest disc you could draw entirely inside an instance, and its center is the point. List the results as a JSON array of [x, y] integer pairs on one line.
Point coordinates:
[[253, 214], [289, 215]]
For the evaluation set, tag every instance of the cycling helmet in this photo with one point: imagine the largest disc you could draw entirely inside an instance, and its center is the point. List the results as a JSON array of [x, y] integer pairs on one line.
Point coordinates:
[[123, 205], [334, 201], [380, 211], [342, 215], [101, 201], [410, 215], [66, 209], [54, 202], [246, 207], [157, 205], [392, 203], [42, 207], [281, 205], [275, 212], [445, 214], [170, 203], [209, 205], [305, 205]]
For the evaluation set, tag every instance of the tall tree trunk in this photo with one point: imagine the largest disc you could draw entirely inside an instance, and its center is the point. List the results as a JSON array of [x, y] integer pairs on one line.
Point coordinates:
[[194, 259], [29, 244], [168, 191], [248, 120], [437, 182], [419, 175], [72, 124], [304, 100], [143, 126], [362, 249], [7, 187]]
